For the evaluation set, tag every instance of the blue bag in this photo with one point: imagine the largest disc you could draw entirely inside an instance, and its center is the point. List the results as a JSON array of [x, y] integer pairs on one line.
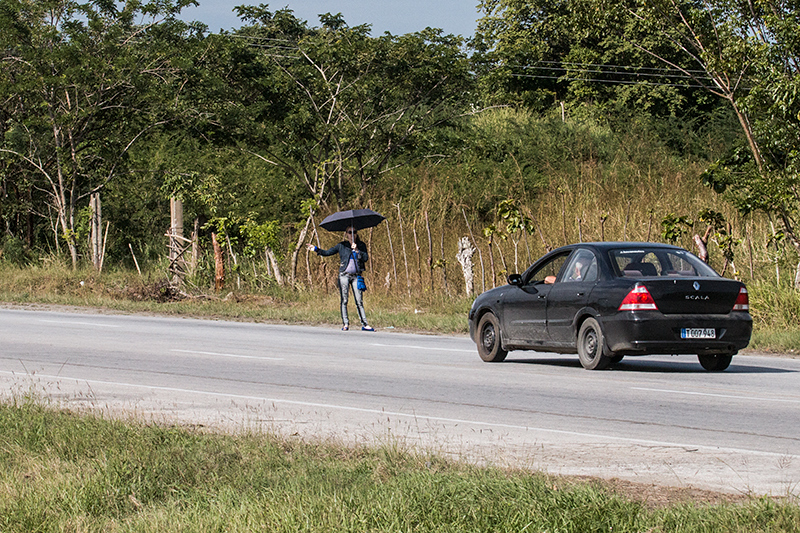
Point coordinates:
[[360, 283]]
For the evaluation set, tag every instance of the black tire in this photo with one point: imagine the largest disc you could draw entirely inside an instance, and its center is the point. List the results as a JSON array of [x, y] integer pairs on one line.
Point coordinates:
[[715, 363], [592, 346], [616, 358], [488, 339]]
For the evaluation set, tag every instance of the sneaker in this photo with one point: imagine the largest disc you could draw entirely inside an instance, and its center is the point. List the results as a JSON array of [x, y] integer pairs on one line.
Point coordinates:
[[367, 328], [345, 328]]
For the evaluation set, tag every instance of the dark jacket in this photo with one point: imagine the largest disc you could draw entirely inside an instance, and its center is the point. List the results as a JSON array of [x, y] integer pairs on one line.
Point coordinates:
[[344, 254]]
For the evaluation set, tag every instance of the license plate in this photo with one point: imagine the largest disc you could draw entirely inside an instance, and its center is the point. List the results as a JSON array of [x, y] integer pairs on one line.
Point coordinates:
[[698, 333]]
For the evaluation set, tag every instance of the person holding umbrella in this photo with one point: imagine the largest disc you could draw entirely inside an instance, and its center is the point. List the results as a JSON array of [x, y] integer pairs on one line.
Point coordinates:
[[352, 258]]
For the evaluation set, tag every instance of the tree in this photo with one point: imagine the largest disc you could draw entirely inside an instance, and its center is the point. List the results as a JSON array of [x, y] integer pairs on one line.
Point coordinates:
[[748, 54], [334, 108], [79, 82], [536, 52], [745, 54], [359, 105]]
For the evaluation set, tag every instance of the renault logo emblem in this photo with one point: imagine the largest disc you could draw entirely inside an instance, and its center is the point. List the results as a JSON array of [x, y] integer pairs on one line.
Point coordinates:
[[696, 285]]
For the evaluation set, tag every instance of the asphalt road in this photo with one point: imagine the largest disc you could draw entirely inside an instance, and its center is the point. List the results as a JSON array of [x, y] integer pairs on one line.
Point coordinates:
[[661, 420]]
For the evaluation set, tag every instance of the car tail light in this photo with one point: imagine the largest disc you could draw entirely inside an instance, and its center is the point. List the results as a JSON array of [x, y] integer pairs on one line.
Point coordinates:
[[638, 299], [742, 301]]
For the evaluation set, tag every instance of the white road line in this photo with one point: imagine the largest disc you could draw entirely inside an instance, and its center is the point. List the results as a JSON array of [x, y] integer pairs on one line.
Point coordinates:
[[73, 323], [416, 416], [728, 396], [230, 355], [426, 348]]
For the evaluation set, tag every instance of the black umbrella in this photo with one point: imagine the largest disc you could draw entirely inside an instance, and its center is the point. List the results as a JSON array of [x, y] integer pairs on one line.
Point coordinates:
[[357, 218]]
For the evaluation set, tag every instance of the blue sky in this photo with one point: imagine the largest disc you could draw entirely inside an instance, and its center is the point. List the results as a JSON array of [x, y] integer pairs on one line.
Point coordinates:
[[397, 16]]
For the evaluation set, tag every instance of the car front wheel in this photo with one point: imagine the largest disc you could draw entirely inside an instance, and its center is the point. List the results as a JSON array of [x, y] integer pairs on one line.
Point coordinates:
[[489, 346], [591, 346], [715, 363]]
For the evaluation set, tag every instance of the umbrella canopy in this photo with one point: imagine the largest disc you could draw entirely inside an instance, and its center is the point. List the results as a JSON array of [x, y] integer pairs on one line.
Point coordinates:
[[357, 218]]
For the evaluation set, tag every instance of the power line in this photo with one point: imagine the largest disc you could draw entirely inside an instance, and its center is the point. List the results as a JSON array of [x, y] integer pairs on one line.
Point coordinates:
[[619, 73], [611, 82], [602, 65]]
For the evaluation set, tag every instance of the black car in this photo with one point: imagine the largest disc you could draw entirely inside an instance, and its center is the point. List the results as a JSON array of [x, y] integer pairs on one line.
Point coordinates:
[[606, 300]]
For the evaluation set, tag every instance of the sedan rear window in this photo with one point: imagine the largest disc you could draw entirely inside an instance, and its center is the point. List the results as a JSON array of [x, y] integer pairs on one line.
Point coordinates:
[[644, 262]]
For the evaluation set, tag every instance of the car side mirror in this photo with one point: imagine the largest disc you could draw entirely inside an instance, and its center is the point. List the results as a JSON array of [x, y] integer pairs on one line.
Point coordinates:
[[515, 279]]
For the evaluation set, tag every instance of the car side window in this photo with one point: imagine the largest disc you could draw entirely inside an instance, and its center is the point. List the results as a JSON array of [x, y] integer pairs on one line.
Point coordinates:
[[582, 267], [547, 272]]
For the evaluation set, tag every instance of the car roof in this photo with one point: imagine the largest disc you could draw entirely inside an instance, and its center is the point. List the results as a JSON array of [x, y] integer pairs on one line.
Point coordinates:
[[615, 245]]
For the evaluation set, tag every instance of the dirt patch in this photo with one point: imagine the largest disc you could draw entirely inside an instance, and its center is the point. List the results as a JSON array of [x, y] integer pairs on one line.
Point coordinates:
[[654, 496]]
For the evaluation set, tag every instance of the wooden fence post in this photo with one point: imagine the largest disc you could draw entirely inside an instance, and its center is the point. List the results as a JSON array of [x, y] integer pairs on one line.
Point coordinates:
[[219, 264], [430, 248], [391, 251], [444, 264], [177, 242]]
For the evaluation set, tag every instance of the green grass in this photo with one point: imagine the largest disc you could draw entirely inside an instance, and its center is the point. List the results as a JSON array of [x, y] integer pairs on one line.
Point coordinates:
[[63, 472]]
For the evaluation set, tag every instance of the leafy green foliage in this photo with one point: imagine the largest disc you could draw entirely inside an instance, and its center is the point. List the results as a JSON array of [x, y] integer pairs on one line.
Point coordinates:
[[334, 107], [535, 52], [675, 226], [81, 84]]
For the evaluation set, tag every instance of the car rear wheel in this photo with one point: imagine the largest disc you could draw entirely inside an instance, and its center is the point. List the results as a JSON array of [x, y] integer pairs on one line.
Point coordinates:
[[616, 358], [715, 363], [591, 346], [489, 346]]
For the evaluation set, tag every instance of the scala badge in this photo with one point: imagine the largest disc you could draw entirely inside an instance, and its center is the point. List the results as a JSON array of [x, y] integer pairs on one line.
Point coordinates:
[[696, 285]]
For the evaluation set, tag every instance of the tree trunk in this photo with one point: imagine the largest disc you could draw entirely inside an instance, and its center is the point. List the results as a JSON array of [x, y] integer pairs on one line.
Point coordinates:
[[797, 278], [702, 244], [464, 256], [491, 260], [96, 229], [480, 255], [273, 263], [300, 240], [195, 246]]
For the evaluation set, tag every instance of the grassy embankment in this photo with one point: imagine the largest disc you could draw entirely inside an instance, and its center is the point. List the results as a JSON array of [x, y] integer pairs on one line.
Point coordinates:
[[64, 472]]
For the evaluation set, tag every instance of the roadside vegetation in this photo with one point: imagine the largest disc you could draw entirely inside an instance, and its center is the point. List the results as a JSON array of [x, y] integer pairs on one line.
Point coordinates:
[[61, 471]]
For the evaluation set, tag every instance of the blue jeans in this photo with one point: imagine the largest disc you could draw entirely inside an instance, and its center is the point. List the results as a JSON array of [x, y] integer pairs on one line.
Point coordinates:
[[345, 282]]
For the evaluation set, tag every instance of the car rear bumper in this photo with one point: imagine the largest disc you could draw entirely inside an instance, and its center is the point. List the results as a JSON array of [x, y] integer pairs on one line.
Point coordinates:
[[641, 333]]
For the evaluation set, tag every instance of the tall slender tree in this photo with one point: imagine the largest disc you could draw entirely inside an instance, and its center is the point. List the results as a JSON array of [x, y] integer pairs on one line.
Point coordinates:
[[78, 84]]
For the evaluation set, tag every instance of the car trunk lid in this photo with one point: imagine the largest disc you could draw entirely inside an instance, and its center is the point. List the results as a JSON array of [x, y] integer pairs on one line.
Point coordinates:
[[693, 295]]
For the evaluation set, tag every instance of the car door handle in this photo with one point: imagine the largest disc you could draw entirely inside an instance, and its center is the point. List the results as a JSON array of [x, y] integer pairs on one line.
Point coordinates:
[[580, 294], [542, 296]]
